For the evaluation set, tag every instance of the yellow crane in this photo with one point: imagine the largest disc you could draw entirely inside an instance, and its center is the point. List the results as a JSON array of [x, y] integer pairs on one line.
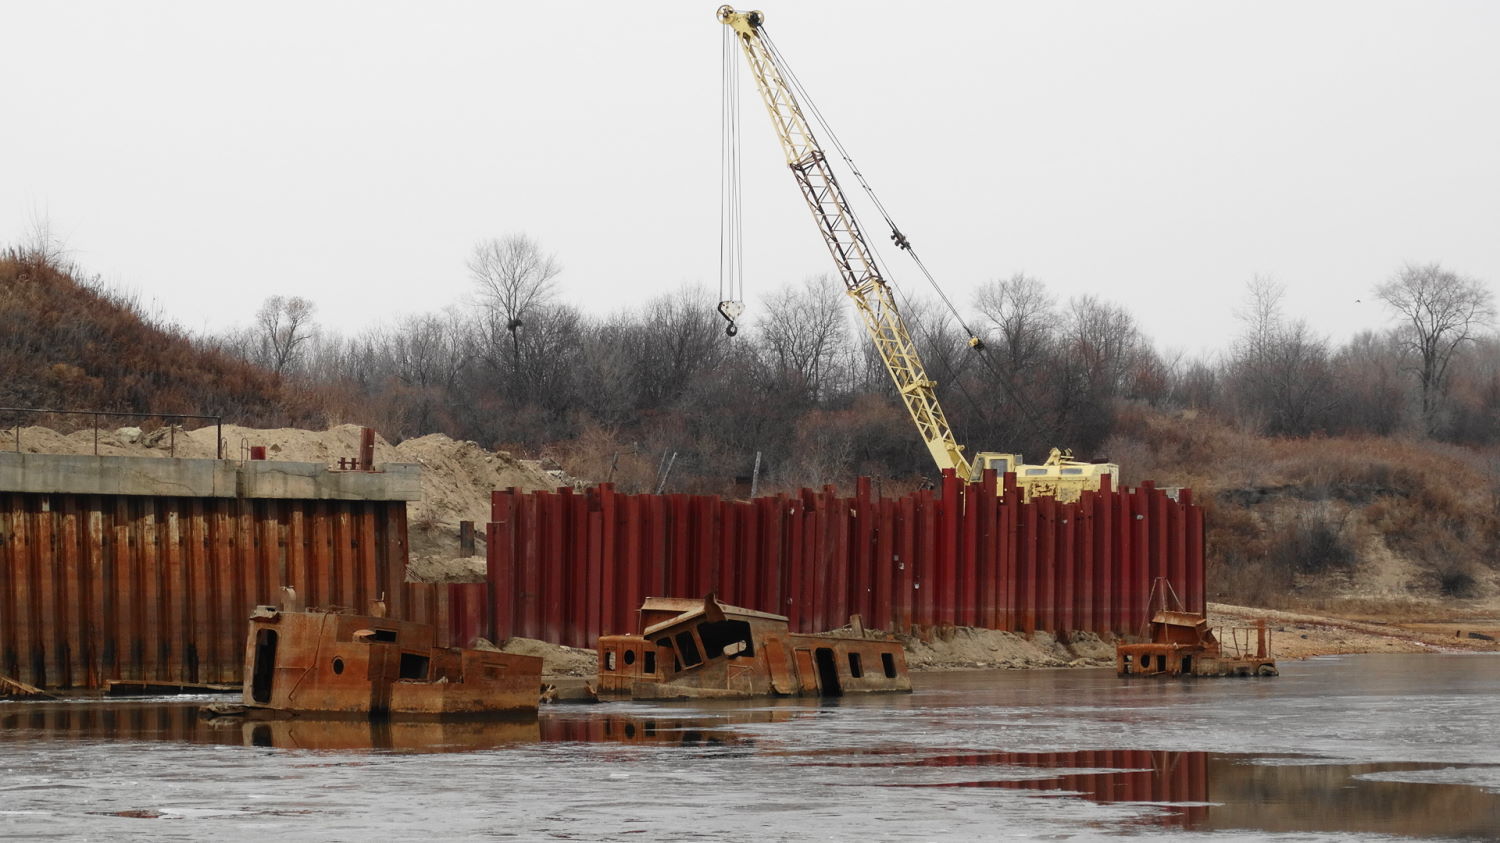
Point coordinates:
[[1060, 475]]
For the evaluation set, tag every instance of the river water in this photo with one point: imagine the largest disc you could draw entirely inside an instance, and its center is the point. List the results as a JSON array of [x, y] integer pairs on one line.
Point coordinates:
[[1339, 748]]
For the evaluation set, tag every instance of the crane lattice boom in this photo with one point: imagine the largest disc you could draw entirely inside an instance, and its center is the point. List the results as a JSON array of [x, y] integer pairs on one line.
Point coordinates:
[[851, 252]]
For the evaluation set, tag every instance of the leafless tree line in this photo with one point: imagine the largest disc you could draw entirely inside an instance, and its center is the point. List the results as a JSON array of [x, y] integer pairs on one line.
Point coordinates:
[[519, 366]]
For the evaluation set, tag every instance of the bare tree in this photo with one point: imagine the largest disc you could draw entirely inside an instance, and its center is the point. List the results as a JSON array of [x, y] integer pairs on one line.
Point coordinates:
[[1029, 391], [674, 339], [1021, 310], [1372, 392], [283, 326], [1105, 342], [514, 277], [807, 332], [1440, 311], [1279, 371], [427, 350], [1260, 311]]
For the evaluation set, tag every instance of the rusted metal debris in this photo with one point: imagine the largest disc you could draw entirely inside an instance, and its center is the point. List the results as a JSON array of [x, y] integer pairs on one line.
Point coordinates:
[[706, 649], [328, 663], [15, 688], [146, 687], [1182, 644]]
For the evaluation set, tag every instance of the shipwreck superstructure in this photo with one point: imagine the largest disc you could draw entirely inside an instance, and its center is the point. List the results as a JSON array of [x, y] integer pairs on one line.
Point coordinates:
[[328, 663], [706, 649]]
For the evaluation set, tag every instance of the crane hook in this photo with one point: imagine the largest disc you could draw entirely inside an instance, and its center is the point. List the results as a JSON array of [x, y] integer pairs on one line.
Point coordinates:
[[730, 310]]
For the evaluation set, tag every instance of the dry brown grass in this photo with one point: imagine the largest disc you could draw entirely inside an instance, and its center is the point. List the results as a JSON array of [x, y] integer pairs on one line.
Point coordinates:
[[1304, 522], [66, 342]]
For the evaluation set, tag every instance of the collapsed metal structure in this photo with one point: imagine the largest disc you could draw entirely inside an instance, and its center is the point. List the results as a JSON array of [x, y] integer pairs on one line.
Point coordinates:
[[706, 649], [568, 567]]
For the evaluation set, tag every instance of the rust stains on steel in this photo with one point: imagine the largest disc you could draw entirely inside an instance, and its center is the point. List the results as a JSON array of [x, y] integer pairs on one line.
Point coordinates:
[[1182, 644], [332, 663], [568, 567], [137, 588], [703, 648]]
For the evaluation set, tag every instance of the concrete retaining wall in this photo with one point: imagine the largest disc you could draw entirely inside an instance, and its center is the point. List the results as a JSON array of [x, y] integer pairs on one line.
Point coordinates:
[[262, 479]]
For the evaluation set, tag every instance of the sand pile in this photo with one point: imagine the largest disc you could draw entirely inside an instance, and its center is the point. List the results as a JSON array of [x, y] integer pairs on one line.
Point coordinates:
[[955, 648], [557, 659]]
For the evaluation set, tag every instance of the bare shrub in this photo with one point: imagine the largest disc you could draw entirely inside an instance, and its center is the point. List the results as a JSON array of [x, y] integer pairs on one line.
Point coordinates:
[[1313, 543], [1454, 578]]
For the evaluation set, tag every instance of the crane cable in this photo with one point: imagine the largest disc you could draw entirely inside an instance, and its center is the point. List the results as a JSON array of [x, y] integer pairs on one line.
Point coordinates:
[[897, 237], [731, 240], [902, 242]]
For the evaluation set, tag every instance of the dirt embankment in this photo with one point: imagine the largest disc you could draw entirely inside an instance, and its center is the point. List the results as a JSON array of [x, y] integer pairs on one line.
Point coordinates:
[[1296, 635], [968, 648], [457, 477], [557, 660], [1382, 628]]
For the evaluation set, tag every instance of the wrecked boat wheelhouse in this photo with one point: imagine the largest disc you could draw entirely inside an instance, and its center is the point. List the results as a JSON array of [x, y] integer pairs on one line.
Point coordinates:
[[703, 648], [336, 664]]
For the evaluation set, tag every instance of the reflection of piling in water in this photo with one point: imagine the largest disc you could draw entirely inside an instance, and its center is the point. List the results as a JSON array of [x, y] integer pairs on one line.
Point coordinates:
[[176, 723], [638, 730], [91, 721], [1104, 775]]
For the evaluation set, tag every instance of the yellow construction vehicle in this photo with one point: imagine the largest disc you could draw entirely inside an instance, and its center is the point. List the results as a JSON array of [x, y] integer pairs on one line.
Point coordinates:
[[1061, 475]]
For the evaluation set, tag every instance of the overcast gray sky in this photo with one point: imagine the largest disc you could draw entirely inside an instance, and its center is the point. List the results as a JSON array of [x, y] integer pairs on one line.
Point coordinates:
[[1156, 154]]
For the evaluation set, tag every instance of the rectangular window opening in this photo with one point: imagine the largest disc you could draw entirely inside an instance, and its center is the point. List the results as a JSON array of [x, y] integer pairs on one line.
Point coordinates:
[[726, 637], [888, 661], [856, 668], [687, 649], [414, 666], [666, 643], [265, 665]]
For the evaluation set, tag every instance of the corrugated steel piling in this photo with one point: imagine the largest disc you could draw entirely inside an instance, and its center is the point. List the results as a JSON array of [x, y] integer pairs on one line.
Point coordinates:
[[567, 567]]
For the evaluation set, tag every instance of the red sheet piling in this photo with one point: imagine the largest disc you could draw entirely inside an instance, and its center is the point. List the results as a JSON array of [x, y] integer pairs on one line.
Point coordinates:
[[568, 567]]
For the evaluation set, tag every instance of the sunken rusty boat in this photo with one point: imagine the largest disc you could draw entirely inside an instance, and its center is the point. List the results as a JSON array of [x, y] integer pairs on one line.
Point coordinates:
[[707, 649], [329, 664], [1182, 644]]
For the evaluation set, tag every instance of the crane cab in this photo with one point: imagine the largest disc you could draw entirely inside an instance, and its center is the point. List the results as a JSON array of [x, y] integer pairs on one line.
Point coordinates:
[[1060, 476]]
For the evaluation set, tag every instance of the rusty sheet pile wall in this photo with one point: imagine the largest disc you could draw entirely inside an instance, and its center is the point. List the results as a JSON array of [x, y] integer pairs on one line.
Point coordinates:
[[100, 587], [567, 567]]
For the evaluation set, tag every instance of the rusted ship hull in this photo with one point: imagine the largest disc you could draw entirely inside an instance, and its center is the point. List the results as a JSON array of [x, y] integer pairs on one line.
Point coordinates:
[[705, 649], [331, 664]]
